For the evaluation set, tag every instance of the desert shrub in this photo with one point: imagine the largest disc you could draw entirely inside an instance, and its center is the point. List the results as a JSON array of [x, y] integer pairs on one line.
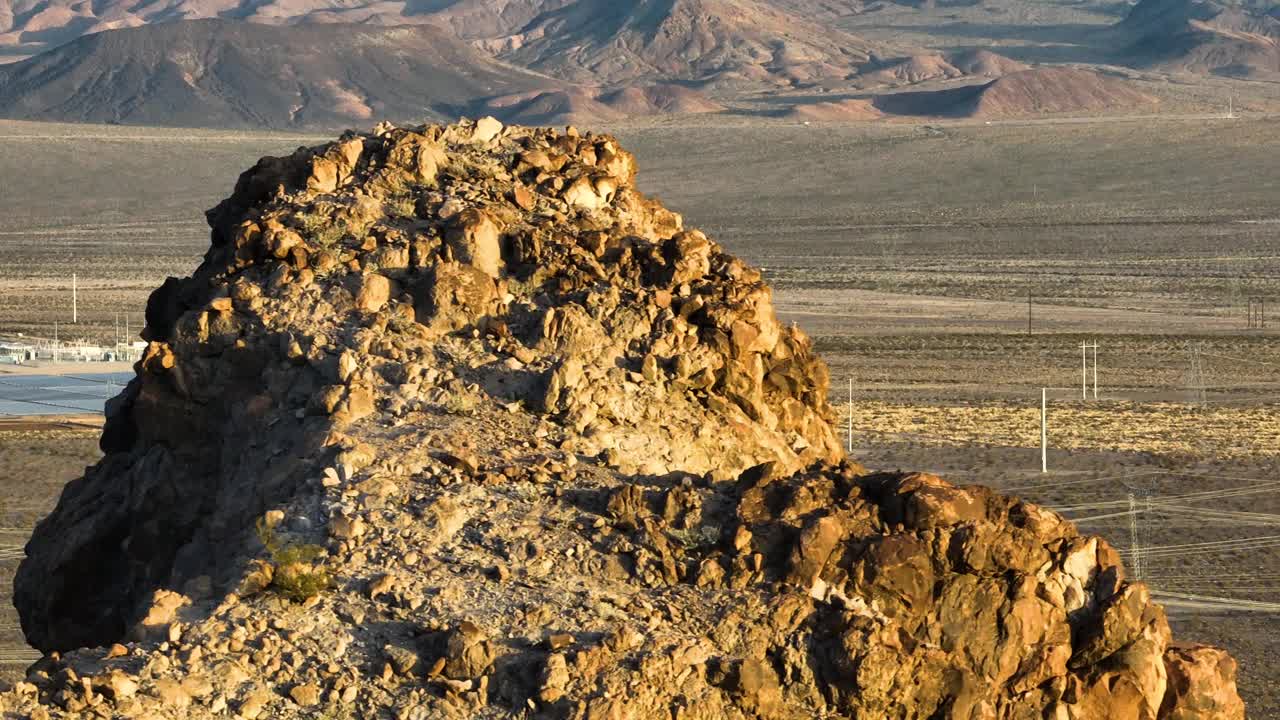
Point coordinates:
[[336, 711], [329, 235], [299, 570], [705, 536], [400, 323], [460, 403], [404, 206], [321, 230]]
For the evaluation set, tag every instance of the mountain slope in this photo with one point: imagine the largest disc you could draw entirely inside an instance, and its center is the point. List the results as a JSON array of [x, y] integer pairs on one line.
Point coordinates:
[[229, 74], [1240, 38], [599, 41], [28, 27], [923, 68], [1043, 91], [713, 41]]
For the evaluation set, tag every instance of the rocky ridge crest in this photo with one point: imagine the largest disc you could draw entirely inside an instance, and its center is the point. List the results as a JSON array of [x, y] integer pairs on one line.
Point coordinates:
[[454, 422]]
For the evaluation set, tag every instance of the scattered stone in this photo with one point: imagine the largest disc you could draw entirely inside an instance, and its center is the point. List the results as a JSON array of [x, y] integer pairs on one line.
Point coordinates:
[[305, 695]]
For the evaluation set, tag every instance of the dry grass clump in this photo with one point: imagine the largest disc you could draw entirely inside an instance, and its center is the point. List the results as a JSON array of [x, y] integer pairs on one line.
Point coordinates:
[[1227, 432], [299, 569]]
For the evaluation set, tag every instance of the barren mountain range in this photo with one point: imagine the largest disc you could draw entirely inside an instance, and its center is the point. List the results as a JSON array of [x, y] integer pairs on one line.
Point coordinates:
[[328, 64]]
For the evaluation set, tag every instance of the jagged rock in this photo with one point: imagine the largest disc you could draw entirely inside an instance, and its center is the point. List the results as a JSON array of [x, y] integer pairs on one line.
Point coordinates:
[[1202, 684], [453, 421], [473, 239], [372, 293], [468, 652]]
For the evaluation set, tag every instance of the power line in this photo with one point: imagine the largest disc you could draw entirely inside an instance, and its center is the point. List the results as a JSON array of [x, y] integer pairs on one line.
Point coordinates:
[[1243, 360]]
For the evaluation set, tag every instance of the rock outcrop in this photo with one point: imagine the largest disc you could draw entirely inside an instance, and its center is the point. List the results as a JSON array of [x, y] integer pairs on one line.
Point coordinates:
[[454, 422]]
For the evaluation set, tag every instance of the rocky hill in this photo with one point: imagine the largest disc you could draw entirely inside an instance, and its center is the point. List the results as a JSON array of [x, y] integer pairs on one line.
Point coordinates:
[[1239, 38], [581, 105], [718, 42], [915, 69], [653, 39], [1029, 93], [217, 73], [586, 61], [453, 422]]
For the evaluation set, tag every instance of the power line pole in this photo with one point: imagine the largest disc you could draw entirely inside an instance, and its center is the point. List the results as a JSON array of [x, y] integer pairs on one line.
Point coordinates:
[[1195, 378], [1135, 561], [850, 415], [1084, 369], [1043, 431], [75, 304], [1095, 369], [1257, 314], [55, 342], [1028, 313], [1084, 373]]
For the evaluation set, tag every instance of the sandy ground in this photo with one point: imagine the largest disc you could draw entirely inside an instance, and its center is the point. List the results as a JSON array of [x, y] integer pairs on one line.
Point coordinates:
[[827, 312], [60, 369]]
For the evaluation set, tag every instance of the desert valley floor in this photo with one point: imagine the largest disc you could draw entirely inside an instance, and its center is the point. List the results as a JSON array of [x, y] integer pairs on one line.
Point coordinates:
[[915, 255]]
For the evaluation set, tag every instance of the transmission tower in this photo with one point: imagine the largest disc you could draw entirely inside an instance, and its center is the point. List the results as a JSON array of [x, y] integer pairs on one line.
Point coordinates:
[[1195, 376], [1135, 542], [1257, 313]]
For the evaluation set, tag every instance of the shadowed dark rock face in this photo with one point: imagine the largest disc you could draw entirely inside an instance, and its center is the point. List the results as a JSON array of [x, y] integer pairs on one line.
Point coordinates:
[[184, 476]]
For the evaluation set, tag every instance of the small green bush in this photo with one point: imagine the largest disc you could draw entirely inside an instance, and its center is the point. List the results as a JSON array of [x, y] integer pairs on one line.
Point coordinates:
[[299, 570]]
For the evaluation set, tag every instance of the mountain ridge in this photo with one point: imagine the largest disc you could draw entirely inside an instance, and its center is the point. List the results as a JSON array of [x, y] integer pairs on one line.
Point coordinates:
[[237, 74], [1236, 38]]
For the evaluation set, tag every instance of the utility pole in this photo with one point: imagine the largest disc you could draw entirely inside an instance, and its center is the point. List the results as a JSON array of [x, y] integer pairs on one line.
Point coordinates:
[[1028, 313], [75, 305], [1044, 430], [55, 342], [1084, 369], [850, 415], [1095, 369], [1084, 373], [1257, 313], [1195, 378]]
